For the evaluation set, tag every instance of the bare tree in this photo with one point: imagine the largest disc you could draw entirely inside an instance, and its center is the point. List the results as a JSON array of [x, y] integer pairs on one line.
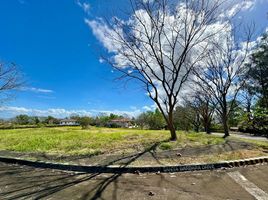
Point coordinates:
[[224, 72], [10, 79], [200, 101], [159, 45], [186, 116]]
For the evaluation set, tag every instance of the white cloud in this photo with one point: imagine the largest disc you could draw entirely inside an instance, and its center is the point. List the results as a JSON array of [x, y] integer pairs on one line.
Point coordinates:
[[132, 113], [103, 33], [101, 60], [123, 57], [147, 108], [85, 6], [133, 107], [37, 90], [238, 6], [148, 1], [11, 111], [248, 5]]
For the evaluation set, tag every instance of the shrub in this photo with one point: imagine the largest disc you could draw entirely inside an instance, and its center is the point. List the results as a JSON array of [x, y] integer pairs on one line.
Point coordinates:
[[165, 146], [85, 122]]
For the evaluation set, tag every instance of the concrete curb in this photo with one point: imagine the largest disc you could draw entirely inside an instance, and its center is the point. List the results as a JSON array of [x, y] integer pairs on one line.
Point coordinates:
[[133, 169]]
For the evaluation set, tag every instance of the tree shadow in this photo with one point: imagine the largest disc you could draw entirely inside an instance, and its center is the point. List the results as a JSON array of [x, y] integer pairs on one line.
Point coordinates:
[[19, 182]]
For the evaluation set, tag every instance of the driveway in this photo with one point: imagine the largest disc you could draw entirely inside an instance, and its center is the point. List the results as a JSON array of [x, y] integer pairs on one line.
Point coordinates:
[[21, 182]]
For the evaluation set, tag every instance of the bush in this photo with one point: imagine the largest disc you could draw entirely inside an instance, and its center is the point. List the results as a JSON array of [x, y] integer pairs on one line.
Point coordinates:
[[152, 120], [258, 125], [85, 122], [40, 125], [113, 125], [165, 146], [217, 128]]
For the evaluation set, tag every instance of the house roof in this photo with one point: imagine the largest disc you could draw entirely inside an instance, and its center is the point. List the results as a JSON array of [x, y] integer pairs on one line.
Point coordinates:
[[121, 120], [68, 120]]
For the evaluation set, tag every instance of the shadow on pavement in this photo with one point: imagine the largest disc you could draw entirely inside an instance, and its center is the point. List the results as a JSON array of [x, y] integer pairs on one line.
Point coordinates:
[[20, 182]]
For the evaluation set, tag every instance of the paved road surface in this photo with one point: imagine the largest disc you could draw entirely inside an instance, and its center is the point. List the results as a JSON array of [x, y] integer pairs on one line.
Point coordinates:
[[259, 138], [21, 182]]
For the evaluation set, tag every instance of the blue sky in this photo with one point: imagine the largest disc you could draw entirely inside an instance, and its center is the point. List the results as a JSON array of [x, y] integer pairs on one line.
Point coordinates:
[[59, 56]]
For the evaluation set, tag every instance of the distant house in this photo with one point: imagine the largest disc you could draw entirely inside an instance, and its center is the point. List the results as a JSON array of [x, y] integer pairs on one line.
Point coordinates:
[[69, 122], [235, 129], [121, 122]]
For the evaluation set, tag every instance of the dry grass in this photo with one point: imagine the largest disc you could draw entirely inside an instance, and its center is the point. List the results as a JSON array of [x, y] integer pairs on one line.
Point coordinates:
[[233, 155], [75, 141]]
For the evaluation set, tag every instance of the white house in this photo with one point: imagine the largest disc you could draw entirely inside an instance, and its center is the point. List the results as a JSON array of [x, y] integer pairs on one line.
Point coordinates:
[[121, 122], [69, 122]]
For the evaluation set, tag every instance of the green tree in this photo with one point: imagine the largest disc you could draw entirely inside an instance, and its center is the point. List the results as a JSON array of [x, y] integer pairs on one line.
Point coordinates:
[[33, 120], [260, 120], [103, 120], [236, 114], [184, 117], [200, 109], [248, 96], [114, 116], [152, 120], [259, 70], [75, 117], [36, 120], [22, 119], [257, 88], [85, 122], [51, 120], [157, 120], [142, 120]]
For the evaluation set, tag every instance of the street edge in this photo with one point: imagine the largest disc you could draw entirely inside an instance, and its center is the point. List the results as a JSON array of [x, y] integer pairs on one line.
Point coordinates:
[[134, 169]]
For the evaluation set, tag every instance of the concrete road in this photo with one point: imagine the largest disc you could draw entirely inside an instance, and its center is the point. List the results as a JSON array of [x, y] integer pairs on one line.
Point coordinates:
[[21, 182], [249, 137]]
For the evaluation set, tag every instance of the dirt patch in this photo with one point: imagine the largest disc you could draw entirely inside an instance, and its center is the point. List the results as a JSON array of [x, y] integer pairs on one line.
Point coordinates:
[[231, 149]]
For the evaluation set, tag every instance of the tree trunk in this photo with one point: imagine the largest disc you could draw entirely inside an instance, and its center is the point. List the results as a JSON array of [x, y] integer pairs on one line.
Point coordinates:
[[207, 127], [197, 123], [225, 126], [196, 128], [206, 123], [225, 117], [173, 133], [171, 127], [249, 111]]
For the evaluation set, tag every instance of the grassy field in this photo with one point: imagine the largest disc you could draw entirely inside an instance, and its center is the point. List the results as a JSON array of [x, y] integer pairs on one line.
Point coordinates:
[[75, 141]]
